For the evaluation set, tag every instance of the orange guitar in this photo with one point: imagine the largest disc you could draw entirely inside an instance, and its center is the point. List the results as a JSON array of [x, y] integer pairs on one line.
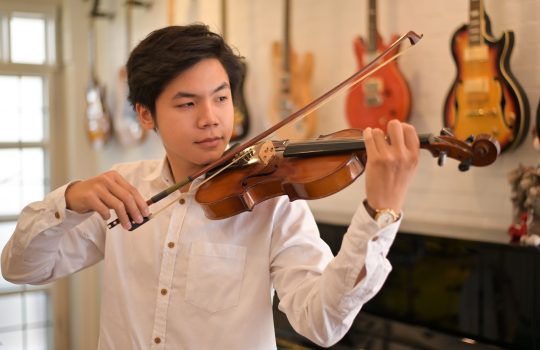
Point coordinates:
[[485, 97], [291, 86], [383, 96]]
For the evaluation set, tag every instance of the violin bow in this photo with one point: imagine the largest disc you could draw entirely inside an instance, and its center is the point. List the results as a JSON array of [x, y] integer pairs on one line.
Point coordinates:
[[377, 63]]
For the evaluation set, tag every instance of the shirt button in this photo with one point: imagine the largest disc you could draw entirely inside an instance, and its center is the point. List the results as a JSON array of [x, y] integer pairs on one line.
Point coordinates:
[[57, 215], [163, 291], [170, 245], [182, 201], [157, 340]]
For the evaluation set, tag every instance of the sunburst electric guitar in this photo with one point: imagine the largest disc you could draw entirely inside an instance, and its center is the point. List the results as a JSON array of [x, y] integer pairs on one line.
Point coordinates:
[[292, 86], [485, 97], [385, 95]]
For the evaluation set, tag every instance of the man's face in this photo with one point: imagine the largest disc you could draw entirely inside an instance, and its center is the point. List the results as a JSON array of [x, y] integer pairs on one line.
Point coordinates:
[[194, 116]]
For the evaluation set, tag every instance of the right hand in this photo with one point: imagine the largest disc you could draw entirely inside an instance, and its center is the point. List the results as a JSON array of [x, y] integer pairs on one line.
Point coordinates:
[[104, 192]]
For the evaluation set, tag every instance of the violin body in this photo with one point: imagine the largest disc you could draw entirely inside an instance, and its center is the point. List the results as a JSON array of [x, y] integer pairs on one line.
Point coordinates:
[[485, 97], [383, 96], [296, 177]]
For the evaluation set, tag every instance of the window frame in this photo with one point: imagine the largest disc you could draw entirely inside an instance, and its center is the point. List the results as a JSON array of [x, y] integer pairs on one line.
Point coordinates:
[[49, 71]]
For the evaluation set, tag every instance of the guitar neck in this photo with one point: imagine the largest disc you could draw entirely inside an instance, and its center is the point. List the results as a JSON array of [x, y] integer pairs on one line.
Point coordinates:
[[372, 26], [224, 19], [286, 38], [476, 22]]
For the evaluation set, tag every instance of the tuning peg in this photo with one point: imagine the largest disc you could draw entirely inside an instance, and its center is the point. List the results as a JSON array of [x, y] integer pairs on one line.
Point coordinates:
[[446, 132], [470, 139], [442, 158], [465, 165]]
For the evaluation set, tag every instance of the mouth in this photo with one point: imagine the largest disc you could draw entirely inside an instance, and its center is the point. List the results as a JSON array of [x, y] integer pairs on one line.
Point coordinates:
[[209, 142]]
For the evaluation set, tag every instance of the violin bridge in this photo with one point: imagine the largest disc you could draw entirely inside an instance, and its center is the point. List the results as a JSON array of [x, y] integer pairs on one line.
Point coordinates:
[[260, 153], [265, 151]]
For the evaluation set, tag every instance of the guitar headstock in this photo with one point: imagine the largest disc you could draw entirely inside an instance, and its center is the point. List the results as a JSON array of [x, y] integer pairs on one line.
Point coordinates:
[[481, 150]]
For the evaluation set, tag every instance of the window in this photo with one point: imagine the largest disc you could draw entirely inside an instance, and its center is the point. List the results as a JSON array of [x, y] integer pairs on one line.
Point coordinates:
[[27, 63]]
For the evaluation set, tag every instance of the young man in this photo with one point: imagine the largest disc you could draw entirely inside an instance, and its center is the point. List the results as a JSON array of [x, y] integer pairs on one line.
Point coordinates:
[[182, 281]]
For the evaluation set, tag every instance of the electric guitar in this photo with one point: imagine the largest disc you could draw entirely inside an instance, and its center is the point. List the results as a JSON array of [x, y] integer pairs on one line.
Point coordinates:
[[485, 97], [292, 80], [127, 129], [98, 120], [385, 95], [241, 113]]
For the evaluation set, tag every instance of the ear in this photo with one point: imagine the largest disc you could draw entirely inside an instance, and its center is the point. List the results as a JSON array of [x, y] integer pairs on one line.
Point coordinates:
[[145, 116]]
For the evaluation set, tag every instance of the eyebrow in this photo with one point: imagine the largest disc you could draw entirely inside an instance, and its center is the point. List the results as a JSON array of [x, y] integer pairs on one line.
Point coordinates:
[[181, 94]]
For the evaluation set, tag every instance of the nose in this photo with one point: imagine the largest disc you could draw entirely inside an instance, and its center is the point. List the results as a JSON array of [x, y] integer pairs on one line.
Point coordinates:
[[207, 115]]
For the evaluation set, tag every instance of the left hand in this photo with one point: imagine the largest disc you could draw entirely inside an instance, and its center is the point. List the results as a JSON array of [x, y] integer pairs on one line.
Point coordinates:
[[392, 160]]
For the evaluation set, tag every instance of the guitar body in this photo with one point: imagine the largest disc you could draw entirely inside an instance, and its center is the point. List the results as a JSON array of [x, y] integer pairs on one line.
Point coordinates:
[[98, 121], [127, 129], [291, 92], [241, 114], [383, 96], [485, 97]]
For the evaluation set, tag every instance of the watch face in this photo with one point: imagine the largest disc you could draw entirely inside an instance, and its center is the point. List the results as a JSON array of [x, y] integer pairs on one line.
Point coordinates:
[[385, 218]]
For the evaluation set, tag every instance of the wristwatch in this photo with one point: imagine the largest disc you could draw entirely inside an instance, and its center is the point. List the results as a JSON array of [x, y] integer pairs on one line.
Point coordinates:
[[383, 217]]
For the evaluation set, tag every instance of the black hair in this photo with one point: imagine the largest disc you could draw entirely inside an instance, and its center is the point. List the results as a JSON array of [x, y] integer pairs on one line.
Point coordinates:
[[165, 53]]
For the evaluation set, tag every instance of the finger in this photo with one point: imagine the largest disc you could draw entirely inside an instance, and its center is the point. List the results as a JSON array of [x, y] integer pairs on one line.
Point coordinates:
[[128, 202], [411, 139], [98, 206], [371, 147], [379, 138], [395, 134], [123, 191], [140, 202], [113, 202]]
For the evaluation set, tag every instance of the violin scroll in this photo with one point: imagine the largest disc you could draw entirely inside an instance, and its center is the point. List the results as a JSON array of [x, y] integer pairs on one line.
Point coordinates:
[[481, 150]]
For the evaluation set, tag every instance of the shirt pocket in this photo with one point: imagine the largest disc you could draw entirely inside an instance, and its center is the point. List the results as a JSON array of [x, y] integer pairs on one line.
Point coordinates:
[[215, 274]]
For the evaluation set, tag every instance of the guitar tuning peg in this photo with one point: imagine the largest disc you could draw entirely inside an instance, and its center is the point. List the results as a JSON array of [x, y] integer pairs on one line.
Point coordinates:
[[465, 165], [470, 139], [446, 132], [442, 158]]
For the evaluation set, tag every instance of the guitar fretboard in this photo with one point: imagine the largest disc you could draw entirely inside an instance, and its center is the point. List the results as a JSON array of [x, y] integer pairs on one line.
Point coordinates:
[[372, 26], [476, 16], [286, 38]]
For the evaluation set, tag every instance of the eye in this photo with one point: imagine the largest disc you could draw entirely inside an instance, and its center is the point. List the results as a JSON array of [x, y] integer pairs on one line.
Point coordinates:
[[223, 98], [185, 105]]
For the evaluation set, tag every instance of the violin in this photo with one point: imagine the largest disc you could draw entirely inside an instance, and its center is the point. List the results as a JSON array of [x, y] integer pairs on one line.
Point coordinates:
[[318, 168]]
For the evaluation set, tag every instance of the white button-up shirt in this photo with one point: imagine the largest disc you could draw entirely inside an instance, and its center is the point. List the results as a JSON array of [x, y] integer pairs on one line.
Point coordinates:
[[182, 281]]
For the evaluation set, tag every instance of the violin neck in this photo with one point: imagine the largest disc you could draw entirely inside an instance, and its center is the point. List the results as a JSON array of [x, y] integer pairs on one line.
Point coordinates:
[[328, 147]]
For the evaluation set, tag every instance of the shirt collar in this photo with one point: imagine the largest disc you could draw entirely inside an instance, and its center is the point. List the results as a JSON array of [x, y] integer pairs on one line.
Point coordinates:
[[161, 173]]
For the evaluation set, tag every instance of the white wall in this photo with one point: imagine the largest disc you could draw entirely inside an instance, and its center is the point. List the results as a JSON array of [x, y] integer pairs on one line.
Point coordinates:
[[442, 200]]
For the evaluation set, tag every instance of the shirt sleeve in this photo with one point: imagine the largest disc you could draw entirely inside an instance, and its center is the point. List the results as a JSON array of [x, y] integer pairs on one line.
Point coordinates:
[[51, 241], [318, 292]]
